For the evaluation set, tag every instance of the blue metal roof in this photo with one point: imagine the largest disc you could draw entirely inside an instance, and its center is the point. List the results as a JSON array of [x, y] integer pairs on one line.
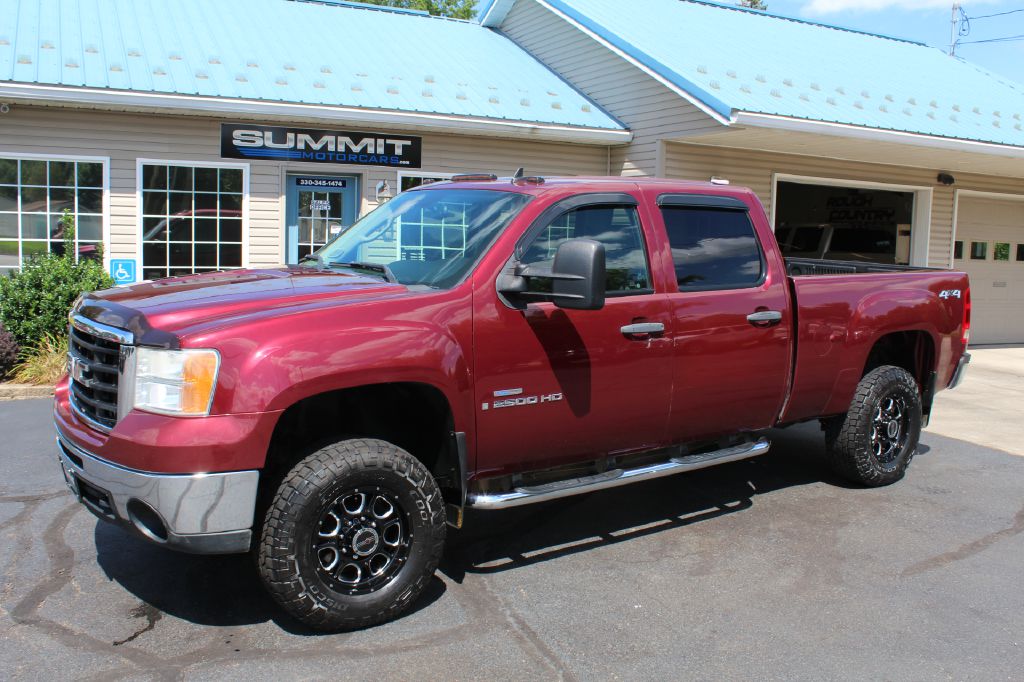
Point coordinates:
[[738, 60], [323, 53]]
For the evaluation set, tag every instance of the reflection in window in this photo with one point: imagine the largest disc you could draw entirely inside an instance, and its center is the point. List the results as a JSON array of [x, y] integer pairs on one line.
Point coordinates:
[[712, 248], [1001, 251], [410, 181], [617, 227], [34, 194], [191, 219], [979, 250]]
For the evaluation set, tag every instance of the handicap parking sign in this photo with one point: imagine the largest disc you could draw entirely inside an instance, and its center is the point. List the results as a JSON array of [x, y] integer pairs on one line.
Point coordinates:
[[123, 270]]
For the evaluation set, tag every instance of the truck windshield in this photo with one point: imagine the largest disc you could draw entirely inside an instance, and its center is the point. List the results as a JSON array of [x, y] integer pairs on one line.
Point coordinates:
[[428, 238]]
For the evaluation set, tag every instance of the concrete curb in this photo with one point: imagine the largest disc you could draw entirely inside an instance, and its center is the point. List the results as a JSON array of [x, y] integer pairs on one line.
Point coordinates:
[[22, 391]]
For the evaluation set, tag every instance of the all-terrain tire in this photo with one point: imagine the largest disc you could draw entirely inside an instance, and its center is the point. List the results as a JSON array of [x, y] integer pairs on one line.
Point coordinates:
[[370, 478], [862, 445]]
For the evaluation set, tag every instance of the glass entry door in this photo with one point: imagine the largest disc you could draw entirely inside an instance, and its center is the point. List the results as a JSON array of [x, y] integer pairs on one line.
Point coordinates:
[[318, 208]]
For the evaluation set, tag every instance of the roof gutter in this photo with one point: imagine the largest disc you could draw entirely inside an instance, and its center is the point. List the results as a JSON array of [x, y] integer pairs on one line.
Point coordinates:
[[774, 121], [210, 106]]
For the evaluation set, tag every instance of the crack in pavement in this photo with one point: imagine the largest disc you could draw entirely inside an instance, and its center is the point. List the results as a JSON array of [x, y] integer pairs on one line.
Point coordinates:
[[143, 610], [967, 550]]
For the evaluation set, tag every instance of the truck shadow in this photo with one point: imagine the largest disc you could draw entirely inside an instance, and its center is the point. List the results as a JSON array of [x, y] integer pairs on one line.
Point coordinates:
[[225, 591], [493, 542]]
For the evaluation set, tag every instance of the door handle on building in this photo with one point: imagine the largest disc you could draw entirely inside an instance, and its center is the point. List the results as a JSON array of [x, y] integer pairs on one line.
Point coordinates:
[[764, 318], [643, 329]]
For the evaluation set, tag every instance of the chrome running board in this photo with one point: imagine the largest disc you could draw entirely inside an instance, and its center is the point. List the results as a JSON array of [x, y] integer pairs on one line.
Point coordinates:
[[615, 477]]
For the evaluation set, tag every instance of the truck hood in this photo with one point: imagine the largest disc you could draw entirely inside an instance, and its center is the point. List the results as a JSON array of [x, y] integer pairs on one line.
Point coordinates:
[[158, 312]]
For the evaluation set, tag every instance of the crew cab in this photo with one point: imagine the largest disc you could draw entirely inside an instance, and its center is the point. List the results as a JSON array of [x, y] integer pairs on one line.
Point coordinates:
[[484, 343]]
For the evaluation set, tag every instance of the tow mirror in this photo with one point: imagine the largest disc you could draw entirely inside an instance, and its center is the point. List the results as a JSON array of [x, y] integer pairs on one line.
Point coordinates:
[[577, 277]]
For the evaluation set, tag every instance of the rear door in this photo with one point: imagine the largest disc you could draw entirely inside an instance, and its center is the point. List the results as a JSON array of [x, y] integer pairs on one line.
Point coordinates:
[[731, 323], [557, 385]]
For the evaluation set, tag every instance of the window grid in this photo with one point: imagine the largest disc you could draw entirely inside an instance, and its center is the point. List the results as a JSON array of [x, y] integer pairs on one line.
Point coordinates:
[[191, 219], [33, 196]]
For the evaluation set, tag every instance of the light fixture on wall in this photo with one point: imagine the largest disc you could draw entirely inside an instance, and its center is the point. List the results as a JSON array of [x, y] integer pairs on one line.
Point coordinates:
[[5, 108], [383, 191], [946, 178]]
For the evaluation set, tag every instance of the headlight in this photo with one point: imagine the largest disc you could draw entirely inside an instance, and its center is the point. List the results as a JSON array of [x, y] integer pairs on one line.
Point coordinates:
[[179, 382]]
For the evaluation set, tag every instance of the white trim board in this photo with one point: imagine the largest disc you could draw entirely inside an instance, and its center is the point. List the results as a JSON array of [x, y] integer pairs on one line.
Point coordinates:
[[210, 106], [755, 120], [920, 229]]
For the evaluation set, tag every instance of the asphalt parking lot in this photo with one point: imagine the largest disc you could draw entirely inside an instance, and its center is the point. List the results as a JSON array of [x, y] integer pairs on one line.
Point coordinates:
[[770, 568]]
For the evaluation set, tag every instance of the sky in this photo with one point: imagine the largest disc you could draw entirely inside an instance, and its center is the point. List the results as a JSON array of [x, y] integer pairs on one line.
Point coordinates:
[[926, 21]]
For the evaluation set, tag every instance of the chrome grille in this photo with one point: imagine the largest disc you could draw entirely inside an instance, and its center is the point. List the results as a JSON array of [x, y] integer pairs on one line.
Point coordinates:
[[93, 367]]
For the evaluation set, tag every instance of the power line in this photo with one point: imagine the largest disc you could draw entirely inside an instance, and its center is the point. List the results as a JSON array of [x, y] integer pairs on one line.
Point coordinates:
[[1007, 39], [998, 14]]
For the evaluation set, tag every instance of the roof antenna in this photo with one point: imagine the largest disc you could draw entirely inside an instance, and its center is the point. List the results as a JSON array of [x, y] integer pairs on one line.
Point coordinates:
[[518, 175]]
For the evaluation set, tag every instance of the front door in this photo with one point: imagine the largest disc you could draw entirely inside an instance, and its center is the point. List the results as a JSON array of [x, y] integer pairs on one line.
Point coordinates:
[[554, 385], [318, 207]]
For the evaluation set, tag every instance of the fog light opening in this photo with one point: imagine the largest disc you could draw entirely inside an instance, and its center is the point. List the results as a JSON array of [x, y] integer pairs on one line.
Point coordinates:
[[147, 520]]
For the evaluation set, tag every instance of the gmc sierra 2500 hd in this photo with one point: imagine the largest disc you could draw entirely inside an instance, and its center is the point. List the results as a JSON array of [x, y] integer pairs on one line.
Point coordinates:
[[483, 343]]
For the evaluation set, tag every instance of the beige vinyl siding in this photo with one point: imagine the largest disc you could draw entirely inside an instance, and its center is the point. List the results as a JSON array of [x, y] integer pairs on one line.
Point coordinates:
[[126, 137], [648, 108], [756, 169]]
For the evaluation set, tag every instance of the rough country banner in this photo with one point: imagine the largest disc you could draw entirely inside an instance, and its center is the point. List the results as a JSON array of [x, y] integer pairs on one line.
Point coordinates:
[[319, 146]]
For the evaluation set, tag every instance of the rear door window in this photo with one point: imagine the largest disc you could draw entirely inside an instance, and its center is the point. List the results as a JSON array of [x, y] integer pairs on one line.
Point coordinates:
[[713, 248]]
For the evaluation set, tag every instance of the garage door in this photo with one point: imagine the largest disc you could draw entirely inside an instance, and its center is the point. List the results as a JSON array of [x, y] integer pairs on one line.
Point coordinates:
[[990, 248]]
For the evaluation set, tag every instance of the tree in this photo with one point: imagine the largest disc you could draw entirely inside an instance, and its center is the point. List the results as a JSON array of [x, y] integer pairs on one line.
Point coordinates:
[[456, 9], [754, 4]]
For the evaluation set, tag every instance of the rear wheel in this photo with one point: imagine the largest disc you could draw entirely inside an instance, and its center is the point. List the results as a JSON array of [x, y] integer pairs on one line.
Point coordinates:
[[352, 536], [876, 439]]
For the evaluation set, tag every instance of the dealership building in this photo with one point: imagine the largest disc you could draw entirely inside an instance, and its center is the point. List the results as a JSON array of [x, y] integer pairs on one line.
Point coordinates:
[[191, 136]]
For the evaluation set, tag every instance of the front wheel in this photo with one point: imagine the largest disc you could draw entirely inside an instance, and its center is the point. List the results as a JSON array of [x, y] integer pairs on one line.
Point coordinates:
[[352, 536], [876, 439]]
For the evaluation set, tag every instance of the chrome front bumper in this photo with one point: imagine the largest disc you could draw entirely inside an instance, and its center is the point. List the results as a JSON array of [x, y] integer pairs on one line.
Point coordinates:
[[199, 513], [961, 369]]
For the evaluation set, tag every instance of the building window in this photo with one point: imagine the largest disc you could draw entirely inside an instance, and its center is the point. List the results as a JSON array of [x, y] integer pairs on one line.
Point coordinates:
[[191, 219], [33, 196], [1001, 251], [979, 250], [958, 250], [406, 181], [1020, 252]]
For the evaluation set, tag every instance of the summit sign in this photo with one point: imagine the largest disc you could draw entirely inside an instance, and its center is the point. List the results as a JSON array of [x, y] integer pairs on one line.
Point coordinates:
[[278, 143]]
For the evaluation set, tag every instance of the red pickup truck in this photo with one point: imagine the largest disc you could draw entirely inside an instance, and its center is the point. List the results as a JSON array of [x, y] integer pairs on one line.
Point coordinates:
[[484, 343]]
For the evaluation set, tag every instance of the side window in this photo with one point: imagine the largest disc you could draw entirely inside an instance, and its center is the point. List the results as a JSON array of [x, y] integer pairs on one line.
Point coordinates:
[[713, 248], [617, 227]]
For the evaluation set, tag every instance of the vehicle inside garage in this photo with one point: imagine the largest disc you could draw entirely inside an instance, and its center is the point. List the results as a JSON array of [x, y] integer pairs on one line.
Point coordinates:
[[844, 223]]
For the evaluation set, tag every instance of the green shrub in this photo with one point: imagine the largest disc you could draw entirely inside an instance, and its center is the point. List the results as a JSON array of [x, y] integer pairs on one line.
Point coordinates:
[[35, 302], [45, 363]]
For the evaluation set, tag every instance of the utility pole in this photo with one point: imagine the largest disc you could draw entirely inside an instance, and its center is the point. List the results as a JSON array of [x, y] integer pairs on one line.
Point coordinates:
[[952, 29]]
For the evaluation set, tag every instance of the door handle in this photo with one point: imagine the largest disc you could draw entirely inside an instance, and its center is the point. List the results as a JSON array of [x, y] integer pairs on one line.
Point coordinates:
[[764, 318], [649, 328]]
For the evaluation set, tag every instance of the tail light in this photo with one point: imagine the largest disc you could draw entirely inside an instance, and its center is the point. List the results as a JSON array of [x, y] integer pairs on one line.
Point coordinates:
[[967, 317]]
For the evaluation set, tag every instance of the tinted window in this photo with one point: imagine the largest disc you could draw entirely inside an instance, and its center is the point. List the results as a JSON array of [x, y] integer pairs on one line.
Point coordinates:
[[617, 227], [712, 248], [847, 241]]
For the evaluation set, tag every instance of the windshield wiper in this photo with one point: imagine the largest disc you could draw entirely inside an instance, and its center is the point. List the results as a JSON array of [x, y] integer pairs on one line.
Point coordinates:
[[382, 270], [314, 257]]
